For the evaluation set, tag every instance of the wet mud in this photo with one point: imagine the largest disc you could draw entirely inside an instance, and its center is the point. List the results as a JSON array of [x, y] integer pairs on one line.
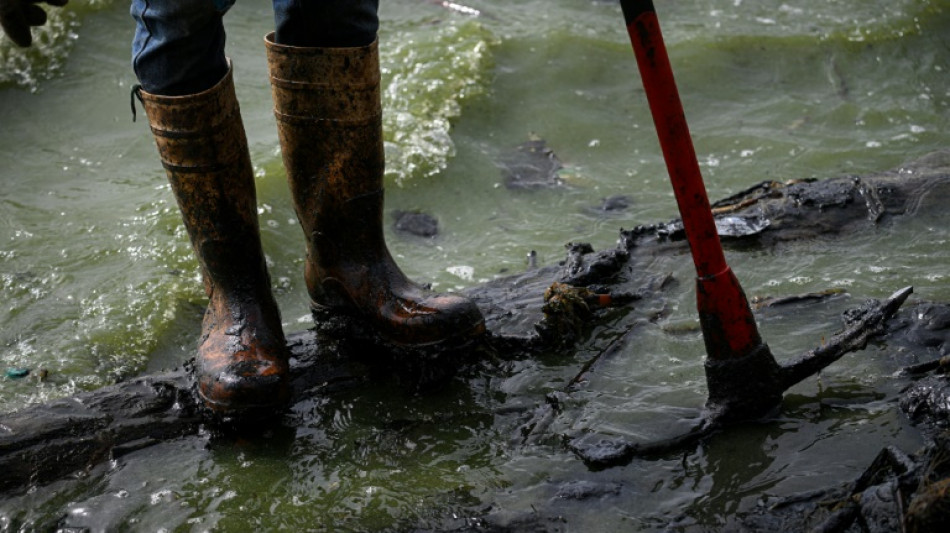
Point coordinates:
[[554, 309]]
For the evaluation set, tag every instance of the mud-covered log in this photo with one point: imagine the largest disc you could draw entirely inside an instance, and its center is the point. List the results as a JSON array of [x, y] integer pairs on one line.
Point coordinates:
[[871, 322], [744, 388], [45, 442], [749, 387]]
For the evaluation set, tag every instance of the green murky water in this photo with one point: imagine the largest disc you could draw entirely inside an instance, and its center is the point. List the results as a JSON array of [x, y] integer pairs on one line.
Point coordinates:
[[99, 284]]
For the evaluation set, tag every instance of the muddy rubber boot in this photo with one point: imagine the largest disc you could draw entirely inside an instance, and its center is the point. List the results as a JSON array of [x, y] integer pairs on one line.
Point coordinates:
[[241, 366], [329, 120]]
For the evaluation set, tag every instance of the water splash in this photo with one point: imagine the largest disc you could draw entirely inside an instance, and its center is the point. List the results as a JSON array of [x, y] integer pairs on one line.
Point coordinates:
[[26, 67], [427, 74], [106, 324], [52, 42]]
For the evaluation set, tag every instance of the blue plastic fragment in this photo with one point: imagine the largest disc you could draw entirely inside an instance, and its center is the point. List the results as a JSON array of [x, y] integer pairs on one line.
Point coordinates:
[[17, 373]]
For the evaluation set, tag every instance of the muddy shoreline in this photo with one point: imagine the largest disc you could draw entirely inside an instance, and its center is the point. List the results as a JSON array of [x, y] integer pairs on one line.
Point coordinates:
[[43, 443]]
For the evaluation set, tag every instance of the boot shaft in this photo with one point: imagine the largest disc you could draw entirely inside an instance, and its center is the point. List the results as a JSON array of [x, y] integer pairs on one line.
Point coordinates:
[[200, 133], [333, 83], [329, 119], [202, 145]]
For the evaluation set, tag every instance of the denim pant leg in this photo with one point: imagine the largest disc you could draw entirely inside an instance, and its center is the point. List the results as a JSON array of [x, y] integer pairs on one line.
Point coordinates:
[[326, 23], [178, 48]]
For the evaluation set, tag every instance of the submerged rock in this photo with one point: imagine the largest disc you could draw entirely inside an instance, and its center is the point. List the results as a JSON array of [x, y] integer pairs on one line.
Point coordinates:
[[416, 223], [928, 400], [613, 204], [532, 165]]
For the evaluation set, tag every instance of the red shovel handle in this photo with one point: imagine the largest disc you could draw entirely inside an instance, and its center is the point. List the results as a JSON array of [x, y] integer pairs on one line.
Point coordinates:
[[729, 328], [675, 140]]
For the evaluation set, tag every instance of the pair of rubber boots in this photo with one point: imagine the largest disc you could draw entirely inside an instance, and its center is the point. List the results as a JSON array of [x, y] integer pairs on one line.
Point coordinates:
[[327, 104]]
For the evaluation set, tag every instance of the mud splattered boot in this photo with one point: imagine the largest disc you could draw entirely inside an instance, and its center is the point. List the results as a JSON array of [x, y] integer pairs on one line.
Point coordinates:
[[329, 118], [241, 366]]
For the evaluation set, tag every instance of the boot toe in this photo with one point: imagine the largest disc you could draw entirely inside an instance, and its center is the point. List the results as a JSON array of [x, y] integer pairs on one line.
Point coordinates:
[[243, 388], [442, 318]]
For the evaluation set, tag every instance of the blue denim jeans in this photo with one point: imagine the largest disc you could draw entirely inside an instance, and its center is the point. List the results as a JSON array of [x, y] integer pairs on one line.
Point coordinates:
[[178, 47]]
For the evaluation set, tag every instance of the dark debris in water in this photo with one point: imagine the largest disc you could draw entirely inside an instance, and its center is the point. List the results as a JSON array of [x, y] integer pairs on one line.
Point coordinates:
[[927, 401], [924, 331], [727, 226], [531, 165], [416, 223], [613, 204], [897, 492], [584, 266]]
